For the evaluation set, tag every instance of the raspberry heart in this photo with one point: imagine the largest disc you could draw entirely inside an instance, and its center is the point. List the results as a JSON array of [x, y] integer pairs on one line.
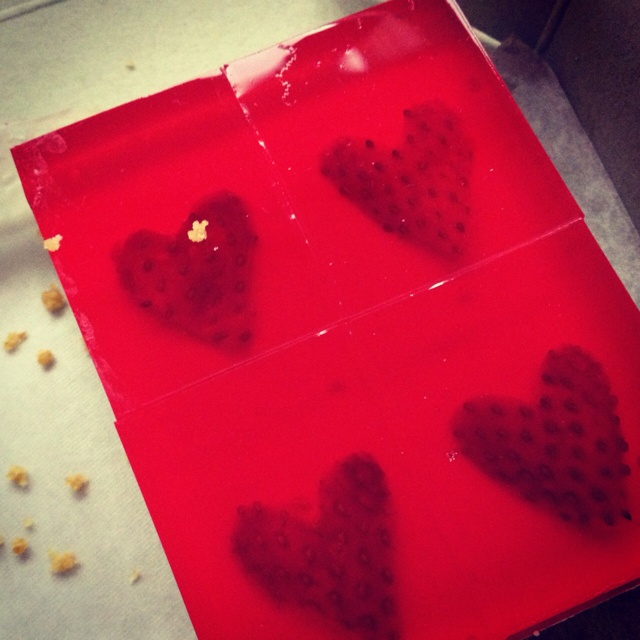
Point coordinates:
[[199, 280], [418, 190], [339, 566], [566, 453]]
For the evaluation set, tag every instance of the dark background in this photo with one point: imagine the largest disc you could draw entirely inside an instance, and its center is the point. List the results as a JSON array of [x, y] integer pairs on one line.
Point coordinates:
[[593, 46]]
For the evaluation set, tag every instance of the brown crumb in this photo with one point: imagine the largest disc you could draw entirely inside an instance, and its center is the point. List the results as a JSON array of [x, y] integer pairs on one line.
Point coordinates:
[[52, 299], [14, 340], [62, 561], [18, 475], [77, 481], [53, 243], [198, 231], [135, 576], [19, 546], [45, 358]]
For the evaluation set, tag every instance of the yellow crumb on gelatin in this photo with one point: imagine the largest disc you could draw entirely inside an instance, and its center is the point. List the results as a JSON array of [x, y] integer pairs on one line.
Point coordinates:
[[13, 340], [53, 243], [198, 231], [135, 576], [62, 561], [77, 481], [19, 546], [52, 299], [18, 475], [45, 358]]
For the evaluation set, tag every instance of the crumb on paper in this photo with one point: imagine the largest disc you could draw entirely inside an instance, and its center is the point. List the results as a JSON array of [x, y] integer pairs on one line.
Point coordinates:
[[52, 299], [28, 522], [45, 358], [77, 481], [62, 561], [53, 243], [19, 546], [198, 231], [131, 66], [135, 576], [18, 475], [13, 340]]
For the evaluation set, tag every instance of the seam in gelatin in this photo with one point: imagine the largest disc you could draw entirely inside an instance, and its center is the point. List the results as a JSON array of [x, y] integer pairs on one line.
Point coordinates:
[[346, 320]]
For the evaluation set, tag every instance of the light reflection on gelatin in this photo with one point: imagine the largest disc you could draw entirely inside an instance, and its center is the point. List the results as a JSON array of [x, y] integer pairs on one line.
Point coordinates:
[[354, 61]]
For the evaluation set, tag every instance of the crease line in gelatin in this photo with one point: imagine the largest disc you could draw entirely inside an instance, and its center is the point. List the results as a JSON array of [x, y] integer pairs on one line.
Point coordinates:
[[499, 254], [429, 286], [349, 319], [284, 196]]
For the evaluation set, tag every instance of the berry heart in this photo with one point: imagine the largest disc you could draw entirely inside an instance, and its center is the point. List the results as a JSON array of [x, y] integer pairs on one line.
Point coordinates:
[[339, 566], [419, 190], [565, 453], [197, 281]]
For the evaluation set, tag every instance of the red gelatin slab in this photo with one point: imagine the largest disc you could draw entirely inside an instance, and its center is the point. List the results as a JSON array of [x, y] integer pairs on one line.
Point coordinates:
[[147, 166], [470, 557], [355, 79], [366, 345]]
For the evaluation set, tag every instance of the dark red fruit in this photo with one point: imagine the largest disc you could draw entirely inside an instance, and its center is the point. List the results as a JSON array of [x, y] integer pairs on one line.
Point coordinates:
[[341, 565], [201, 287], [566, 452], [418, 190]]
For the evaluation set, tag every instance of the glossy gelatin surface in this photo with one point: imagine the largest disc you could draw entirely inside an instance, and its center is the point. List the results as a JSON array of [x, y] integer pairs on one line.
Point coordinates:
[[375, 377], [471, 555]]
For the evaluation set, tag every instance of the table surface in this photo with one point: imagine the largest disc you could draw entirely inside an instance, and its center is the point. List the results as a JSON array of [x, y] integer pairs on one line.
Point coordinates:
[[62, 61]]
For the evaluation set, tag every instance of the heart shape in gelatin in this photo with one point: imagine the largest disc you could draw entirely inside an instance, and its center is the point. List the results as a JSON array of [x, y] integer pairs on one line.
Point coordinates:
[[199, 280], [565, 452], [418, 189], [339, 566]]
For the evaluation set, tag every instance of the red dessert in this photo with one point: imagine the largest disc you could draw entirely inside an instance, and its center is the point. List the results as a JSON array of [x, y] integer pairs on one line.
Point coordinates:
[[417, 257]]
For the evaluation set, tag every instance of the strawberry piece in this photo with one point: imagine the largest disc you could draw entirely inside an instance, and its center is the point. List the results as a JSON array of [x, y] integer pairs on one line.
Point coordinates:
[[341, 565], [418, 190], [566, 453], [199, 286]]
